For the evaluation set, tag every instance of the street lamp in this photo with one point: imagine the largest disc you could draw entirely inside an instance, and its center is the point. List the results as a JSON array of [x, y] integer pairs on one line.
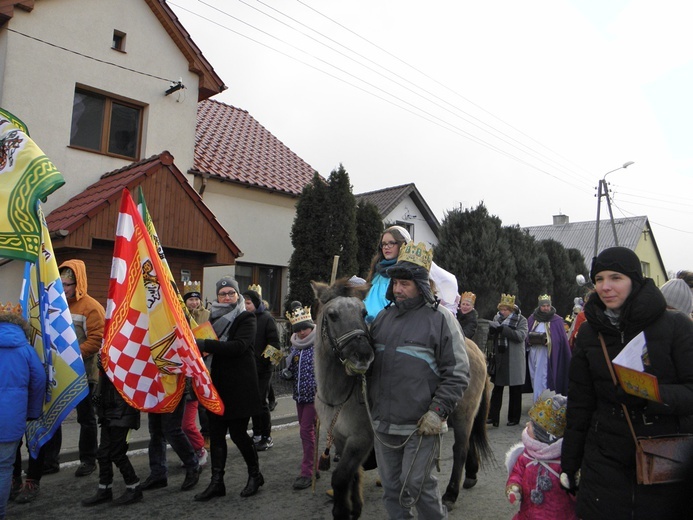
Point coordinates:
[[602, 190]]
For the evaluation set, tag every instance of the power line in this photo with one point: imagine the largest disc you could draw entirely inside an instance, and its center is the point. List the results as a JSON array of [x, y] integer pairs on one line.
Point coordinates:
[[380, 67], [623, 212], [430, 117], [90, 57], [436, 82]]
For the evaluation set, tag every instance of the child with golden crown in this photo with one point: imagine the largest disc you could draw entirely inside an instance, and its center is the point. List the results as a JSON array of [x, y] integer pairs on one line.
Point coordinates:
[[534, 465]]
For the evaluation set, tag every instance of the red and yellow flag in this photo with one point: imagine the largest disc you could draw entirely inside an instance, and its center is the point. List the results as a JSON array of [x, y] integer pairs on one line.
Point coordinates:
[[146, 336]]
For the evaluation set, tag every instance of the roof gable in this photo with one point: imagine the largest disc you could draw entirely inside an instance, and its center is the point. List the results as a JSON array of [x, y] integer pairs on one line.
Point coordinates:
[[210, 83], [387, 199], [230, 145], [181, 218], [580, 235]]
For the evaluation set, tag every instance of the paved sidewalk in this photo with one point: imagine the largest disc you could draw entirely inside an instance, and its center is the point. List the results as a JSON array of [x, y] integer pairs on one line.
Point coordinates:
[[283, 415]]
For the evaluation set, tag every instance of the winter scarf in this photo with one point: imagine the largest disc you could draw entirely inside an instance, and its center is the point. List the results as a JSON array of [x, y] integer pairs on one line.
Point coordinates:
[[511, 321], [300, 344], [222, 317], [544, 316], [382, 266]]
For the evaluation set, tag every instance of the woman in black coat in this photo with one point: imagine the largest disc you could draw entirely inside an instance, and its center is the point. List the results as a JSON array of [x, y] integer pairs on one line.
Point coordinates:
[[235, 377], [597, 440]]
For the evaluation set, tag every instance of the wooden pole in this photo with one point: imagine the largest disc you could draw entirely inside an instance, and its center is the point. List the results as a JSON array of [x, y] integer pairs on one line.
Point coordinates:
[[335, 263]]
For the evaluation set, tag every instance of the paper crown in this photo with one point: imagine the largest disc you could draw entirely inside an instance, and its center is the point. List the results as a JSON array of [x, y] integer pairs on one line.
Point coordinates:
[[468, 296], [299, 315], [549, 412], [189, 287], [417, 254], [544, 298], [12, 308], [255, 287], [507, 300]]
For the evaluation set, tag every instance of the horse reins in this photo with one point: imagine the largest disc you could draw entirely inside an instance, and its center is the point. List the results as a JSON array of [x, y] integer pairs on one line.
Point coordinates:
[[438, 440]]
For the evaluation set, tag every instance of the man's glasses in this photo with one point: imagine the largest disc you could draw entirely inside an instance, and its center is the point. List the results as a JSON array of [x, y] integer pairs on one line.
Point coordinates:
[[227, 294], [69, 284], [383, 245]]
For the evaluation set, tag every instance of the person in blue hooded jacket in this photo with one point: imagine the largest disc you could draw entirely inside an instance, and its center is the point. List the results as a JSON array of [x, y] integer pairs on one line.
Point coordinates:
[[391, 240], [22, 387]]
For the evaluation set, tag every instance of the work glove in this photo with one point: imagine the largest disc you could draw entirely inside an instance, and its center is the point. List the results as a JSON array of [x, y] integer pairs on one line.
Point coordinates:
[[570, 482], [430, 424], [514, 493]]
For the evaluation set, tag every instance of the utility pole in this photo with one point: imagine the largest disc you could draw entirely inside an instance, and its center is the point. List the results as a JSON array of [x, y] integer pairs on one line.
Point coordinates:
[[603, 190]]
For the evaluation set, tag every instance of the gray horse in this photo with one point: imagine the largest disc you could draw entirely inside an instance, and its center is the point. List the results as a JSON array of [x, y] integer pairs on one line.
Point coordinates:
[[343, 352]]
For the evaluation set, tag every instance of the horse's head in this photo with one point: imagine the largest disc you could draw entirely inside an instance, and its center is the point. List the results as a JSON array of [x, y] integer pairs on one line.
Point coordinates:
[[341, 325]]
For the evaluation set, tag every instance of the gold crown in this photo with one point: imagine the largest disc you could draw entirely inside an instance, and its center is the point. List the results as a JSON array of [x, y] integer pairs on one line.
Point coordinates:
[[417, 254], [544, 298], [468, 296], [12, 309], [299, 315], [507, 300], [189, 286], [549, 413], [255, 287]]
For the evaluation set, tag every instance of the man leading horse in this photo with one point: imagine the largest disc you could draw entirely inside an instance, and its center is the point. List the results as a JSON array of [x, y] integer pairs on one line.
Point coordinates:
[[419, 374]]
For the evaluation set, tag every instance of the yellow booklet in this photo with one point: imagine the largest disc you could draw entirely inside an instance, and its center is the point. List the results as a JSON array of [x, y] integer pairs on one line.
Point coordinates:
[[204, 331], [630, 370]]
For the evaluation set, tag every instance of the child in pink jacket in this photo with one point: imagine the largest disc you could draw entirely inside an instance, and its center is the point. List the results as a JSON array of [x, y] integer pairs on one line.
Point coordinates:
[[534, 465]]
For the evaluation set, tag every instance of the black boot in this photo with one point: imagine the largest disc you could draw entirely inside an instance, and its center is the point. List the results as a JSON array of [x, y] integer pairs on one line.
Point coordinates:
[[131, 495], [216, 487], [191, 478], [255, 480], [103, 494]]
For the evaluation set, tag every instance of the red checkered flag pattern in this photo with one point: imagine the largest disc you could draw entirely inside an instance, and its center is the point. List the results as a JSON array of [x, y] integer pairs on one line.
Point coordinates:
[[148, 345]]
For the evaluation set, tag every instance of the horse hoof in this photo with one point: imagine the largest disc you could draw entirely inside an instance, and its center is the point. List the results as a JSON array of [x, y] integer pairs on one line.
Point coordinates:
[[449, 505], [469, 483]]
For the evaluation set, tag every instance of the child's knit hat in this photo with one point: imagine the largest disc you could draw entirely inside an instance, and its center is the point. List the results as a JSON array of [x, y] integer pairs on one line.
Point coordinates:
[[548, 416]]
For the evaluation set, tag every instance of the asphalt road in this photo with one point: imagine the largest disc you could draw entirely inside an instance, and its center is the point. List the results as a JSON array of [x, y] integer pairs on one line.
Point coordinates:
[[61, 492]]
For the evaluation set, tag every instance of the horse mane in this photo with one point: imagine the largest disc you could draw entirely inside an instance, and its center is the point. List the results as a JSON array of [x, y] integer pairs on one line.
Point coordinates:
[[324, 292]]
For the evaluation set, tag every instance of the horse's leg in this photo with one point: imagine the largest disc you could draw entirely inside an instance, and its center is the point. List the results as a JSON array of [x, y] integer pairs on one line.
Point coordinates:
[[459, 454], [341, 486], [347, 477], [357, 493], [471, 467]]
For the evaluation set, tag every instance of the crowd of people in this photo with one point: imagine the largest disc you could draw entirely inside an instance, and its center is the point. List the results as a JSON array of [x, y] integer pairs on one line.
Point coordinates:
[[576, 458]]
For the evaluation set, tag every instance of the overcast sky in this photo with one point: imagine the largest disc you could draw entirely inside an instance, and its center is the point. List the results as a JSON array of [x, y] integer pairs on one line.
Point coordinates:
[[521, 105]]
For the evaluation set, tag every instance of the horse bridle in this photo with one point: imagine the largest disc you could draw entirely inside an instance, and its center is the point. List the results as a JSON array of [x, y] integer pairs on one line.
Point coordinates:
[[338, 344]]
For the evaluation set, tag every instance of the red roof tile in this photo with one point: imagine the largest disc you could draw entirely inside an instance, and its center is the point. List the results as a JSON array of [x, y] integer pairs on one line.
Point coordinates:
[[232, 146]]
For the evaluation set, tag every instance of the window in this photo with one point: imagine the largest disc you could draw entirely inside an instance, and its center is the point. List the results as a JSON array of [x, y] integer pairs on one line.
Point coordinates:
[[267, 277], [645, 266], [105, 124], [118, 41], [406, 225]]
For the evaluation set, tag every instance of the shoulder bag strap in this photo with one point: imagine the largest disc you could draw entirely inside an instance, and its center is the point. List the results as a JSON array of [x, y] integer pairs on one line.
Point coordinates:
[[613, 377]]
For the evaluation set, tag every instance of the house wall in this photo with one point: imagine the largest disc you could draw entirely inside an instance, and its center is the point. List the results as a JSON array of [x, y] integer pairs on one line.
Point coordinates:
[[646, 253], [37, 81], [259, 223], [422, 231]]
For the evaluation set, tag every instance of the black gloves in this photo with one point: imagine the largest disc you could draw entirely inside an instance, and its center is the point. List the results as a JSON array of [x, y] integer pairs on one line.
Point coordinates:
[[200, 344]]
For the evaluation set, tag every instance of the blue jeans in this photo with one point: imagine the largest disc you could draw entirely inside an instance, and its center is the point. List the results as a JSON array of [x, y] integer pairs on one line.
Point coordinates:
[[8, 452], [167, 427]]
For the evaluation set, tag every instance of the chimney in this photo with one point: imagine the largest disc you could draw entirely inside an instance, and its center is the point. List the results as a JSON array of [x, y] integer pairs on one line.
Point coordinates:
[[560, 220]]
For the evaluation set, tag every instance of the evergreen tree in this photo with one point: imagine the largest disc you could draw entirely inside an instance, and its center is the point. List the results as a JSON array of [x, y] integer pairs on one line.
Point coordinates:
[[473, 247], [309, 260], [340, 235], [564, 286], [534, 275], [369, 227], [578, 263]]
